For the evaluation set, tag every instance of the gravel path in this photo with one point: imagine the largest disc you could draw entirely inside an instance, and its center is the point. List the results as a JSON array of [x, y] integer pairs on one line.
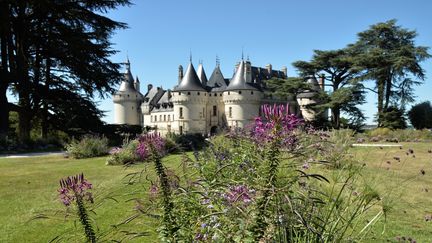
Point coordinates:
[[375, 145], [35, 154]]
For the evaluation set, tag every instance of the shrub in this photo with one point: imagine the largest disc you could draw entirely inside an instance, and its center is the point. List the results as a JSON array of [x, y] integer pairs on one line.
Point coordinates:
[[420, 115], [124, 155], [259, 186], [189, 142], [87, 147], [392, 118]]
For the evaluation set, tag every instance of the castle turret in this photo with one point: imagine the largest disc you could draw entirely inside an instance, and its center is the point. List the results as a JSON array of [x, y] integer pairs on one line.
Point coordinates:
[[307, 98], [190, 99], [127, 101], [242, 99]]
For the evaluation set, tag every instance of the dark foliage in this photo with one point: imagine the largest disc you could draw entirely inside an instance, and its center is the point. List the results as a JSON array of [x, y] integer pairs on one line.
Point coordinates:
[[420, 115]]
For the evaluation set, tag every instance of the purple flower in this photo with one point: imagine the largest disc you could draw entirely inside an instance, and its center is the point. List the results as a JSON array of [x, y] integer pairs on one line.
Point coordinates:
[[148, 143], [306, 166], [115, 150], [74, 188], [276, 122], [239, 194]]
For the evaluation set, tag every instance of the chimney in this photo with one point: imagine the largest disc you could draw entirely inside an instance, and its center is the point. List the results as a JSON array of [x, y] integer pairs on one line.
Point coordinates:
[[180, 73], [269, 69], [149, 87], [321, 81], [285, 71], [248, 72]]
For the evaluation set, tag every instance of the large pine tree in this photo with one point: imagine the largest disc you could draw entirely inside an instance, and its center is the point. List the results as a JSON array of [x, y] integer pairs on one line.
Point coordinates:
[[48, 46]]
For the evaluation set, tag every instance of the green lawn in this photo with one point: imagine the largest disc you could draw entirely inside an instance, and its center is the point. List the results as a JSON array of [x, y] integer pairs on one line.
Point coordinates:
[[28, 186]]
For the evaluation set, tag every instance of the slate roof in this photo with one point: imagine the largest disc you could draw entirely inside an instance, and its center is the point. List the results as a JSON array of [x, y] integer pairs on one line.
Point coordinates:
[[313, 91], [238, 82], [190, 81], [217, 82], [201, 75], [127, 83]]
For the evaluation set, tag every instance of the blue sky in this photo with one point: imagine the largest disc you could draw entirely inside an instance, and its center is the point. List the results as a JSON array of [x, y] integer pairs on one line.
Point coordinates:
[[162, 33]]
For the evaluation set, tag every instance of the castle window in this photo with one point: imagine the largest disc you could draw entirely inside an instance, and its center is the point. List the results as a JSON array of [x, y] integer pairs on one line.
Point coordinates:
[[132, 107], [230, 112], [239, 92], [198, 93], [181, 113], [203, 111], [214, 110], [164, 117], [151, 118], [220, 94], [179, 93], [181, 130], [251, 92], [205, 94], [160, 117], [210, 94], [128, 96], [188, 93], [228, 93], [169, 117], [155, 119]]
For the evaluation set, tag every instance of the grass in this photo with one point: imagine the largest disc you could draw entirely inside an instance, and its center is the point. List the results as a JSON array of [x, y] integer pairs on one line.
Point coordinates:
[[402, 184], [28, 187]]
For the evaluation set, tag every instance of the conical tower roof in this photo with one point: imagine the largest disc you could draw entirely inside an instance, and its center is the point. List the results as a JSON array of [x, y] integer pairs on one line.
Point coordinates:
[[128, 80], [201, 75], [217, 79], [238, 82], [190, 81]]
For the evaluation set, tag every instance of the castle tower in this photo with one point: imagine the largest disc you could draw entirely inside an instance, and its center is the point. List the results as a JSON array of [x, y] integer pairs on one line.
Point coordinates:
[[242, 99], [308, 97], [127, 100], [216, 118], [190, 99]]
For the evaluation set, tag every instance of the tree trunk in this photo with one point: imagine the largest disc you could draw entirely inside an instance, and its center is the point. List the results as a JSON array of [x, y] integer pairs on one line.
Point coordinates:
[[44, 122], [380, 91], [335, 117], [4, 114]]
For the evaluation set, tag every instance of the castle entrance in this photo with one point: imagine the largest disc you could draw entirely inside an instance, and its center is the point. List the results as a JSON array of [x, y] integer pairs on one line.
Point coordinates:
[[213, 130]]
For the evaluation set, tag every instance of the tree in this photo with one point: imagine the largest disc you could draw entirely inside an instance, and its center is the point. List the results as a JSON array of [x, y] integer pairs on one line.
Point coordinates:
[[420, 115], [50, 45], [393, 118], [391, 59], [337, 67]]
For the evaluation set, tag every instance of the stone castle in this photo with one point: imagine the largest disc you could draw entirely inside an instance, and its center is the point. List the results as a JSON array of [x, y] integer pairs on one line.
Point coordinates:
[[200, 105]]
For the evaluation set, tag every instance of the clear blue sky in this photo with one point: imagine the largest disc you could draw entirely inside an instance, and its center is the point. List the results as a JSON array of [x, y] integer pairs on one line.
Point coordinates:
[[161, 33]]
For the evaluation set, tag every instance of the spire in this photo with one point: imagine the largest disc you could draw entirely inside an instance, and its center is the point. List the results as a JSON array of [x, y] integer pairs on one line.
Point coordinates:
[[190, 56], [238, 82], [201, 74], [128, 80], [190, 81], [217, 61]]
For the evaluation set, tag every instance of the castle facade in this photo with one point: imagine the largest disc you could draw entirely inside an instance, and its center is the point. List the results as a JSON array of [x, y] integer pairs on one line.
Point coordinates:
[[200, 105]]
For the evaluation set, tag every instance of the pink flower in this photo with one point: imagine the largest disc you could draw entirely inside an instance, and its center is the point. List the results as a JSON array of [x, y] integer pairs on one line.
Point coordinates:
[[74, 187], [150, 141]]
